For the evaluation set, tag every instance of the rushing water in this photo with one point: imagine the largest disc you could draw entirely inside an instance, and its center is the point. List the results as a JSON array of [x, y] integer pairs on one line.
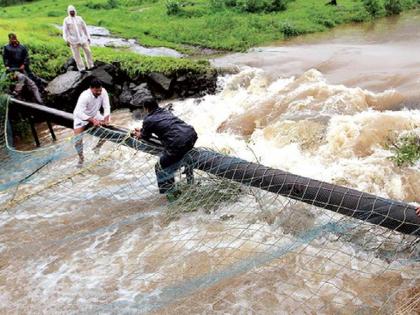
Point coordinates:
[[324, 106]]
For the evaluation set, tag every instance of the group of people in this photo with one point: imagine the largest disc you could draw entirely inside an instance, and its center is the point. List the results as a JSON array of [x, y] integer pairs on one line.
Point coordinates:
[[17, 61], [176, 136]]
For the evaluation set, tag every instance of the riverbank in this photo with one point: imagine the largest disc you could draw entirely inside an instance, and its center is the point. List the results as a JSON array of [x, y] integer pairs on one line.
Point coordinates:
[[218, 24], [194, 26]]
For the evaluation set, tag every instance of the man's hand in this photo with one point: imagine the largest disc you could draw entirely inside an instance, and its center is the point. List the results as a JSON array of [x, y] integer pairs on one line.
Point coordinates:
[[95, 122], [136, 133], [418, 211], [106, 120], [22, 67]]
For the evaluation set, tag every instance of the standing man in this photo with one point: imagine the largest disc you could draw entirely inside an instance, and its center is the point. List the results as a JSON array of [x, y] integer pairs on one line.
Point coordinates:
[[76, 35], [177, 138], [16, 58], [87, 111]]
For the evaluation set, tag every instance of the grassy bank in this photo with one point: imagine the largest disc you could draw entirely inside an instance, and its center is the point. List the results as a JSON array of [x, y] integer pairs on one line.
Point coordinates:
[[208, 23], [215, 24]]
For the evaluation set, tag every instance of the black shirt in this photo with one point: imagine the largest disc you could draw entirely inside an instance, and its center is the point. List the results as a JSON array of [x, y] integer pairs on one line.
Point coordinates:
[[171, 131], [15, 56]]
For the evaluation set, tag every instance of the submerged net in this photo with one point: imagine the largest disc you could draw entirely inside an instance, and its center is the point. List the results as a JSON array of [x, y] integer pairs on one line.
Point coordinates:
[[100, 239]]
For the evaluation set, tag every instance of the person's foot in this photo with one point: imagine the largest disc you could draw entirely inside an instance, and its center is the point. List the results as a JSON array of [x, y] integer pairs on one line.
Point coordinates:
[[80, 163], [83, 71], [173, 195], [96, 150]]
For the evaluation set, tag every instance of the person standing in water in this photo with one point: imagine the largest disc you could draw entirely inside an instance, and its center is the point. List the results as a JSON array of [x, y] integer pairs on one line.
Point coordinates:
[[177, 138], [77, 37], [87, 112]]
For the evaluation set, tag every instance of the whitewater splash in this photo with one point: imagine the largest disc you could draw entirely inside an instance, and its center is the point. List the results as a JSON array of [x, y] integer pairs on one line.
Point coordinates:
[[101, 241], [310, 127]]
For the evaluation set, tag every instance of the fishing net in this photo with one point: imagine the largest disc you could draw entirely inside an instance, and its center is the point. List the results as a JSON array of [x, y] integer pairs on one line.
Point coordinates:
[[100, 239]]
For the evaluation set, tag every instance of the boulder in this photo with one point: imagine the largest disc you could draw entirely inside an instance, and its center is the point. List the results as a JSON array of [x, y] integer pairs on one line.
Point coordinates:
[[141, 94], [64, 83], [160, 80]]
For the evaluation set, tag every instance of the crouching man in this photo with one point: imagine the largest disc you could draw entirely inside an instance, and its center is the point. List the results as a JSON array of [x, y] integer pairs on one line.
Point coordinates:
[[87, 112], [177, 138], [25, 86]]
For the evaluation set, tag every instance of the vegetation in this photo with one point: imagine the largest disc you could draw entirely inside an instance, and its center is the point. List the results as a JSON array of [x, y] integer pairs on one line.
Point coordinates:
[[406, 150], [392, 7], [219, 24]]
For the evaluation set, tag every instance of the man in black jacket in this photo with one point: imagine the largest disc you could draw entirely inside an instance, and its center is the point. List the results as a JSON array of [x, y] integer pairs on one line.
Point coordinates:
[[176, 136], [16, 58]]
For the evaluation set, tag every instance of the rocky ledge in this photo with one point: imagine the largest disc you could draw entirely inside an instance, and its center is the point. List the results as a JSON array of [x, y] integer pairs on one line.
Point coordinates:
[[125, 92]]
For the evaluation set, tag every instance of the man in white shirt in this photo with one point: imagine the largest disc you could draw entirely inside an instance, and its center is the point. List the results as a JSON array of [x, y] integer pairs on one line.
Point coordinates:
[[87, 111], [76, 35]]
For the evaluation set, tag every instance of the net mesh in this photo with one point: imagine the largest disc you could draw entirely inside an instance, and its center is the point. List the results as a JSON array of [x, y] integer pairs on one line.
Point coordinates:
[[100, 239]]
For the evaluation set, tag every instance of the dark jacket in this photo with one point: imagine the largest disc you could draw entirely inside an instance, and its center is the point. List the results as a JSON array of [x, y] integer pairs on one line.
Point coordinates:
[[174, 133], [14, 57]]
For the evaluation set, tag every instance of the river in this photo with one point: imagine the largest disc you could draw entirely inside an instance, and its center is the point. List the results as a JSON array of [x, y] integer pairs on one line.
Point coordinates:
[[101, 240]]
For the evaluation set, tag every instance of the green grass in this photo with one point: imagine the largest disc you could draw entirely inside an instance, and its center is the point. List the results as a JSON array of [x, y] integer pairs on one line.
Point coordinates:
[[198, 24]]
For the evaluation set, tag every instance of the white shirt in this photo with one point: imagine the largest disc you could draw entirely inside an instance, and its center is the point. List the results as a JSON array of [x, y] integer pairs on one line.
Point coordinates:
[[88, 105], [75, 30]]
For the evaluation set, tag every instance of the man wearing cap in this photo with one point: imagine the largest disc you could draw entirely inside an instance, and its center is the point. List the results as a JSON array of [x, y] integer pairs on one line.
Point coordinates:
[[77, 37]]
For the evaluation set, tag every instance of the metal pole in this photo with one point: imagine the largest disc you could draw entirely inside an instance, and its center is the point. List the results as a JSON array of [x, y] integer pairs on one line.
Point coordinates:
[[51, 130], [34, 134]]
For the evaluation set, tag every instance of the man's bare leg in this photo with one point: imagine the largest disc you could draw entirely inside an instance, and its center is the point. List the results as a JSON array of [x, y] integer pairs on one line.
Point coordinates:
[[79, 145], [98, 146]]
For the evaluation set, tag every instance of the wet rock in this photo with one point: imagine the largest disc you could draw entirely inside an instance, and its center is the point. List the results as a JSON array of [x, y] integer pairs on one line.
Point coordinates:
[[125, 96], [142, 93], [160, 80], [64, 83], [101, 74], [64, 90], [70, 65]]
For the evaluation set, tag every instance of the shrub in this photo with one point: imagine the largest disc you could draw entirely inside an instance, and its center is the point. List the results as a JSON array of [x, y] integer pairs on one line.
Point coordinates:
[[289, 30], [254, 6], [406, 150], [278, 5], [173, 7], [372, 6], [110, 4], [392, 7]]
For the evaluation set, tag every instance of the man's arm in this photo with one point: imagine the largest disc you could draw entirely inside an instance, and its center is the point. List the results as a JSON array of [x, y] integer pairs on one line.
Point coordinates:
[[146, 131], [6, 57], [106, 106], [84, 27], [26, 56], [65, 32]]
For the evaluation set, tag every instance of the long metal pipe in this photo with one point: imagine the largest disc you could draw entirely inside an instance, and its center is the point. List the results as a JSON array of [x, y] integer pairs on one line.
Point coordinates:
[[394, 215]]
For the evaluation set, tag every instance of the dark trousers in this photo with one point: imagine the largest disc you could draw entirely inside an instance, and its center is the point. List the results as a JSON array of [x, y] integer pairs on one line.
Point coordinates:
[[169, 162]]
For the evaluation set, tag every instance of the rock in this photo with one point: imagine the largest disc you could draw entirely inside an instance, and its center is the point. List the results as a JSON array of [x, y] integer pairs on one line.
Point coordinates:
[[161, 80], [64, 83], [142, 93], [125, 96], [70, 65], [101, 74]]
